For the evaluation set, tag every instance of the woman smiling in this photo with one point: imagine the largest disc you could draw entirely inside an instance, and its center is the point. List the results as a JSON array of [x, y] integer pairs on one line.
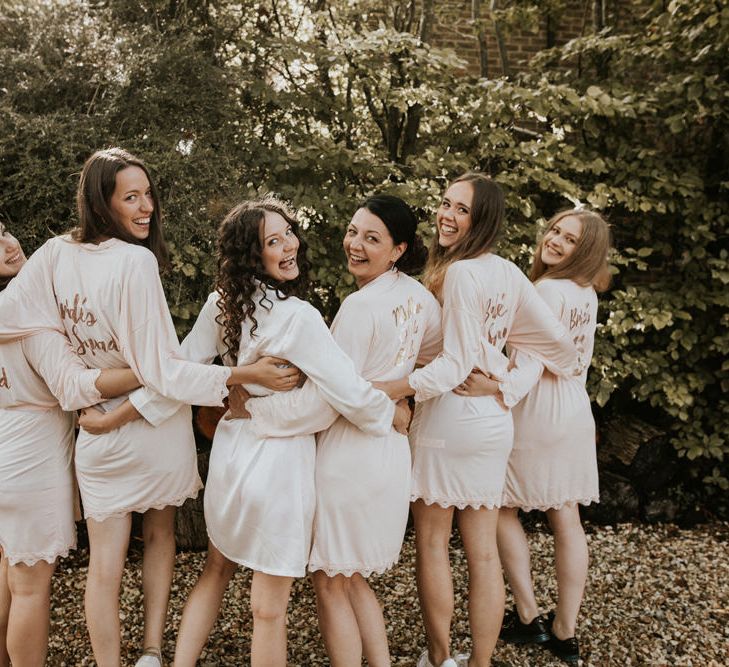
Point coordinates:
[[105, 274], [461, 444], [260, 496], [362, 482]]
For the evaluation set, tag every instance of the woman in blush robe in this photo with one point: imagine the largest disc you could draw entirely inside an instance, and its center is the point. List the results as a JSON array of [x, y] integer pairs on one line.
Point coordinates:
[[553, 466], [460, 444], [100, 285], [259, 496], [362, 482], [41, 381]]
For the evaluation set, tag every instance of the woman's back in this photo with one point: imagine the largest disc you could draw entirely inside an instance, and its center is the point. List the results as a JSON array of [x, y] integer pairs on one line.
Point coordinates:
[[109, 301], [96, 289], [388, 325], [487, 302], [576, 308]]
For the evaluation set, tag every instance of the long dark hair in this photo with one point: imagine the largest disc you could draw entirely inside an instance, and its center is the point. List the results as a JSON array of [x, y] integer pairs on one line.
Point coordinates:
[[487, 215], [241, 279], [402, 224], [588, 265], [97, 220]]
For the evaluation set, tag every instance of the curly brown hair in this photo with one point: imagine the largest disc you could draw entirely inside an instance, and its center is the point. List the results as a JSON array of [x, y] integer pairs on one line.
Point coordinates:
[[241, 280]]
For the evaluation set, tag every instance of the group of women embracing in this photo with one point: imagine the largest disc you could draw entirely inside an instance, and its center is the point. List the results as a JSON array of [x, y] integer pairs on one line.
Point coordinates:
[[311, 470]]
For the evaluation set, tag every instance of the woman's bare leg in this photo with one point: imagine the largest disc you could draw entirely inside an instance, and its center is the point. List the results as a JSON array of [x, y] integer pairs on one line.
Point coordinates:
[[30, 594], [485, 581], [158, 530], [4, 610], [571, 561], [337, 620], [108, 543], [370, 621], [514, 554], [269, 602], [350, 621], [202, 607], [433, 525]]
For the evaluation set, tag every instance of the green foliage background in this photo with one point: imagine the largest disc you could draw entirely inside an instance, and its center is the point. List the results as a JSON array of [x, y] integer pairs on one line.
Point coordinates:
[[325, 102]]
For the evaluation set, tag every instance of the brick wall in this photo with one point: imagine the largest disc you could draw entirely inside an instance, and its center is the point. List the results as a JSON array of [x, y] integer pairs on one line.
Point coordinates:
[[453, 28]]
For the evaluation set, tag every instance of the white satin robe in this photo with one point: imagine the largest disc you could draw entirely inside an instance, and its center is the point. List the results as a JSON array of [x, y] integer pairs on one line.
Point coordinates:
[[109, 300], [259, 494], [362, 482], [461, 445], [554, 462], [38, 496]]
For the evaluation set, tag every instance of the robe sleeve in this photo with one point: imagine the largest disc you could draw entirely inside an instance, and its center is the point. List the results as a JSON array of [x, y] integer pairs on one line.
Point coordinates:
[[298, 412], [537, 331], [205, 340], [523, 375], [462, 332], [201, 345], [153, 407], [28, 303], [51, 355], [432, 342], [525, 369], [149, 343], [334, 386]]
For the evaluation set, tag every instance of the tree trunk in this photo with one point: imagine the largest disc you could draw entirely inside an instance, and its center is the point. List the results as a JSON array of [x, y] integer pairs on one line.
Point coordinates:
[[483, 53], [500, 43], [410, 125], [190, 530], [550, 29], [426, 20], [598, 14]]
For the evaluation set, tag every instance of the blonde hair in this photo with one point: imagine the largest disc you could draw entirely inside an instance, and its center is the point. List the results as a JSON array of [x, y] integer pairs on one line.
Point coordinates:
[[487, 215], [588, 265]]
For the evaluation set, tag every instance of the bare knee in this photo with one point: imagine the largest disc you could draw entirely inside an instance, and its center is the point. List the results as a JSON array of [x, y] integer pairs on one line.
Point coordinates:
[[108, 543], [159, 535], [483, 559], [106, 568], [159, 526], [328, 588], [432, 539], [269, 610], [481, 547], [565, 521], [27, 581], [28, 589], [433, 526], [270, 597], [358, 584], [219, 566]]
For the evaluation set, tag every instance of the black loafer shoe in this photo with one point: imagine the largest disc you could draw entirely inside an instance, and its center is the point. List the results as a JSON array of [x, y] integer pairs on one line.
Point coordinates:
[[513, 631], [565, 649]]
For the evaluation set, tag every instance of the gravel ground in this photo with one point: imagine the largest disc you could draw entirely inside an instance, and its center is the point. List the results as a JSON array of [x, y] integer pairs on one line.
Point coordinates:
[[657, 595]]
